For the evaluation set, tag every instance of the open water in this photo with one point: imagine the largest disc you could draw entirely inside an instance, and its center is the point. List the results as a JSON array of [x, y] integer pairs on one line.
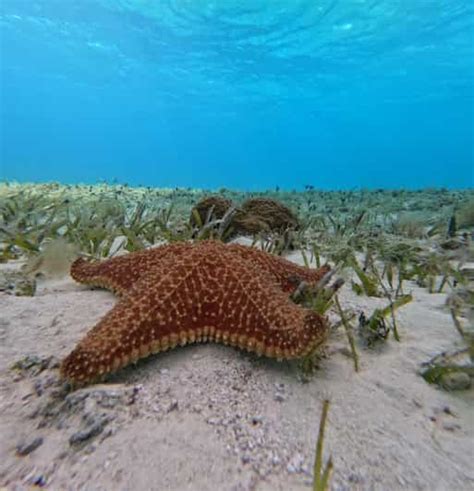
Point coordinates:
[[336, 94]]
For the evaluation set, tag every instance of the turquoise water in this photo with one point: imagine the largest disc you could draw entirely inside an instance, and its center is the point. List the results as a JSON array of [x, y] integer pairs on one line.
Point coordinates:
[[242, 94]]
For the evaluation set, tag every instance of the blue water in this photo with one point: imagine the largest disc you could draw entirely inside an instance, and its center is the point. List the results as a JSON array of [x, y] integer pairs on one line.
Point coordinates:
[[238, 93]]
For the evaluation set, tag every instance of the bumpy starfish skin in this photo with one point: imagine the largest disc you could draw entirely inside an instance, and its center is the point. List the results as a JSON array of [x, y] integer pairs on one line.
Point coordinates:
[[120, 273], [287, 274], [187, 293]]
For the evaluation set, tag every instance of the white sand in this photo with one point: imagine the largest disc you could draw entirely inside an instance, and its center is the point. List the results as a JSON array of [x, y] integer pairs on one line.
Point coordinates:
[[208, 417]]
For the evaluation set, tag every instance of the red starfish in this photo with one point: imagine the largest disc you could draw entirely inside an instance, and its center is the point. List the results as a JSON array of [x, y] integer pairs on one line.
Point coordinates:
[[185, 293]]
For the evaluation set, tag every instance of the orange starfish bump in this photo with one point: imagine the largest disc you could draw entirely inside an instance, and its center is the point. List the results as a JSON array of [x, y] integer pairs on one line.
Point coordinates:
[[184, 293]]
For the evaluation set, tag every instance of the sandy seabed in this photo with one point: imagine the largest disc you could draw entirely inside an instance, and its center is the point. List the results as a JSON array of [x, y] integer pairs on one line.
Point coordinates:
[[209, 417]]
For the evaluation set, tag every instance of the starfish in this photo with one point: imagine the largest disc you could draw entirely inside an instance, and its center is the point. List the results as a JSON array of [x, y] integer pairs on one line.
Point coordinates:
[[184, 293]]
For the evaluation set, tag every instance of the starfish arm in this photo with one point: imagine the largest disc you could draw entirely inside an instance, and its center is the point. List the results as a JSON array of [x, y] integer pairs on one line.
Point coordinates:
[[210, 294], [288, 274], [120, 273]]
